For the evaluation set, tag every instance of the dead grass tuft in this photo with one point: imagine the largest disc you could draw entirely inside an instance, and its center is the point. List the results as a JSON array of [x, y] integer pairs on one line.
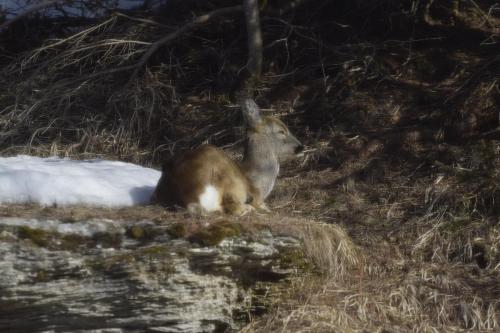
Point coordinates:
[[329, 248]]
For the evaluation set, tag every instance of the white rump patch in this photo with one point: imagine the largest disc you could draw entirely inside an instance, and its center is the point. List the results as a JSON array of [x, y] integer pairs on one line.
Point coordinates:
[[210, 199]]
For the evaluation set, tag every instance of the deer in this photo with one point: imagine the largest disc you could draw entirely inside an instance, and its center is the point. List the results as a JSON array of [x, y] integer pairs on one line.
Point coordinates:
[[206, 179]]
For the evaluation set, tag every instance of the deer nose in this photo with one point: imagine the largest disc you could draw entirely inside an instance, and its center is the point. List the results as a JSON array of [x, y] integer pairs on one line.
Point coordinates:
[[299, 149]]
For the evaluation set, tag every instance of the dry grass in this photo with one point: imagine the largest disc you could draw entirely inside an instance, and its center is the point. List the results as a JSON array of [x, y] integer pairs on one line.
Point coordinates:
[[390, 291], [426, 255], [327, 246], [397, 198], [74, 97]]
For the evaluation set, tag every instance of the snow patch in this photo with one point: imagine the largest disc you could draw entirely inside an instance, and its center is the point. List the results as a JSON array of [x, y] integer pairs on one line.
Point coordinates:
[[210, 199], [62, 182]]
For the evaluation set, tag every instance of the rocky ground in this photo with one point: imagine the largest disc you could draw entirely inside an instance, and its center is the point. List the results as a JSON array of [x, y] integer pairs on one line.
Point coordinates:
[[113, 275]]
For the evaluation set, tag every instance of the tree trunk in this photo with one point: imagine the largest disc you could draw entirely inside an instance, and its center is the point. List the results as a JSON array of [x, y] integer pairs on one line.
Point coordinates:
[[254, 64]]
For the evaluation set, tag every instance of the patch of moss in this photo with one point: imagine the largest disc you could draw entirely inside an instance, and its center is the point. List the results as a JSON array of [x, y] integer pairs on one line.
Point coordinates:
[[159, 254], [72, 242], [154, 258], [456, 224], [37, 236], [136, 232], [52, 240], [295, 258], [177, 230], [155, 250], [216, 233], [107, 239], [42, 276], [142, 232], [110, 264]]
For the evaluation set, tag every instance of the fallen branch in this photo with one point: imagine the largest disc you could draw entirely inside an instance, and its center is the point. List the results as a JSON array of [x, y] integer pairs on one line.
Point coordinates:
[[142, 20], [171, 36]]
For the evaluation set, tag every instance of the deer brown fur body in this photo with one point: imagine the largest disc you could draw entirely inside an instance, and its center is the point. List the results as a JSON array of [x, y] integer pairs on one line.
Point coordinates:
[[206, 179]]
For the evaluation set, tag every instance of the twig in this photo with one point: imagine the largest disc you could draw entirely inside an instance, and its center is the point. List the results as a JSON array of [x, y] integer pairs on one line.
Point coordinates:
[[142, 20], [32, 9], [473, 77], [78, 36], [485, 17], [102, 73], [173, 35], [285, 9]]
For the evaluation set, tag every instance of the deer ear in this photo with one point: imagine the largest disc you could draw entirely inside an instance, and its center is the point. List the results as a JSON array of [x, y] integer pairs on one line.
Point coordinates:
[[251, 112]]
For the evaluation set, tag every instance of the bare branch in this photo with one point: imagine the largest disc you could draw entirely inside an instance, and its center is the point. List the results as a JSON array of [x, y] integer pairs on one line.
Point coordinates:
[[171, 36], [142, 20]]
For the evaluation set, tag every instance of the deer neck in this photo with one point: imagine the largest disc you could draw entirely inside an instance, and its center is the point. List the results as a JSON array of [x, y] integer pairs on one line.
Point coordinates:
[[260, 164]]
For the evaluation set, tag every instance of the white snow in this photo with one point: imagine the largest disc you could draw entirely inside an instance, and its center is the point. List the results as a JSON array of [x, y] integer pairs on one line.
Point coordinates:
[[55, 181]]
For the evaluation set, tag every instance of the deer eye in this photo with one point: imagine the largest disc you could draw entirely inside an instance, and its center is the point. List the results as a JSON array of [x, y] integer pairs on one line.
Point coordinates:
[[281, 132]]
